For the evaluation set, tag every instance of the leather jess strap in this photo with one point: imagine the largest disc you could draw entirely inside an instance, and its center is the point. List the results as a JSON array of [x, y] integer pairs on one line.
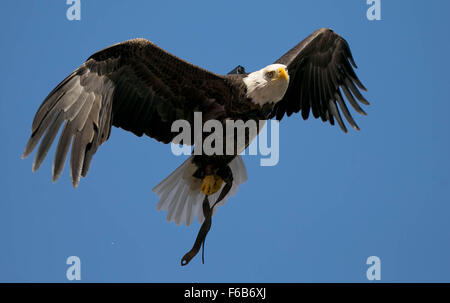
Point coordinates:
[[204, 229]]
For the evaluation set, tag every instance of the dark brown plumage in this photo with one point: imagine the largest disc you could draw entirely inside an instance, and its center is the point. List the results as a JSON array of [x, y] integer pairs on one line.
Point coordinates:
[[134, 85], [137, 86], [319, 67]]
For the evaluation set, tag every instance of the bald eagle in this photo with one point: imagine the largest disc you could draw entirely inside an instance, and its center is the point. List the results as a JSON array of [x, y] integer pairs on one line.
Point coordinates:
[[139, 87]]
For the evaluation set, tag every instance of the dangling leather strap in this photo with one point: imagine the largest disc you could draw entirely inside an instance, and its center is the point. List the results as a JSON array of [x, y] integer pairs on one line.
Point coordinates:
[[204, 229]]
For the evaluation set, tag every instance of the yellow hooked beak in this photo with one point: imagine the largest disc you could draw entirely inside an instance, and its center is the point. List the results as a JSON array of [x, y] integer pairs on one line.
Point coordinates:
[[282, 74]]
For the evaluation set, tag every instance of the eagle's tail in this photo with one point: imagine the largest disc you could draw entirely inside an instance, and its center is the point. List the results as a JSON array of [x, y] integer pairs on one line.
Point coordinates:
[[180, 193]]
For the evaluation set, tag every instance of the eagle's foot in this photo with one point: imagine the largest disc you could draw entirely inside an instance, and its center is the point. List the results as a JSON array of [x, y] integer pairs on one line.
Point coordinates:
[[211, 184]]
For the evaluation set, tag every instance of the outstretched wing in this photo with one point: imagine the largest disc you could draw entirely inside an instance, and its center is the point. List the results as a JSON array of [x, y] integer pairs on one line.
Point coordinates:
[[319, 68], [134, 85]]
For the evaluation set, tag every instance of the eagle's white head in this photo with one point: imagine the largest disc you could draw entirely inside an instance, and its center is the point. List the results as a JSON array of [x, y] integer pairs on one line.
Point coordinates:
[[267, 85]]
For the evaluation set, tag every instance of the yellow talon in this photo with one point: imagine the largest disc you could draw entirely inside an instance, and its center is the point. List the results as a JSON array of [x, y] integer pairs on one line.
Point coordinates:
[[211, 184]]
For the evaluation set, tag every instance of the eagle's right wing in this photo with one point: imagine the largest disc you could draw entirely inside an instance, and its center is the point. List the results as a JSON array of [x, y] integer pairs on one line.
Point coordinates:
[[134, 85], [320, 67]]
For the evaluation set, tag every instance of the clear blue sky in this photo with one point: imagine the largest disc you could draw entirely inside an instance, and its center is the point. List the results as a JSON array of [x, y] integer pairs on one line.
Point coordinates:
[[332, 201]]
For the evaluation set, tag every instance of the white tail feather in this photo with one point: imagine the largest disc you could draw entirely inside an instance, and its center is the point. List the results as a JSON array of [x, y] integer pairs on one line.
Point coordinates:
[[180, 193]]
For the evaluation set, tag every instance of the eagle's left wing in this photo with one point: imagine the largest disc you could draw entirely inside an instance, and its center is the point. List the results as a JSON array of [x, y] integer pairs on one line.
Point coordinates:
[[134, 85], [319, 68]]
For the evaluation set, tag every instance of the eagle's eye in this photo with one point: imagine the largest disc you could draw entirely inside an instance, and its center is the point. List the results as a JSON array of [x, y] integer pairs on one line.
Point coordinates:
[[270, 74]]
